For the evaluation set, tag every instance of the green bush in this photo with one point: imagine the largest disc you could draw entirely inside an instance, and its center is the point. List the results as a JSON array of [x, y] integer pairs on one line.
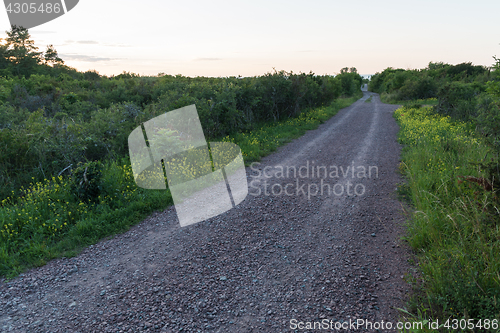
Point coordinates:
[[488, 113], [459, 100], [86, 181], [422, 88], [488, 119]]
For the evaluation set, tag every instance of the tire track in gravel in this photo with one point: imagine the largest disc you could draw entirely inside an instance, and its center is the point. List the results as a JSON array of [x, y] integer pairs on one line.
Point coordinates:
[[271, 259]]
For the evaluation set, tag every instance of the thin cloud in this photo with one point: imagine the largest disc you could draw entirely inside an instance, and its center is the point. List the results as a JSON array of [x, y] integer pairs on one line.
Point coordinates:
[[118, 45], [87, 42], [42, 32], [207, 59], [69, 41], [93, 42], [86, 58]]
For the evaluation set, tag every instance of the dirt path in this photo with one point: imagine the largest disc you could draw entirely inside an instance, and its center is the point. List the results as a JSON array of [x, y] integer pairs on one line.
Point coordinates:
[[257, 268]]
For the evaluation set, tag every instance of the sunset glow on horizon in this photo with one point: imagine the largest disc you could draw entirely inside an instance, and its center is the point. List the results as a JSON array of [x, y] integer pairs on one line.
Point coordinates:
[[226, 38]]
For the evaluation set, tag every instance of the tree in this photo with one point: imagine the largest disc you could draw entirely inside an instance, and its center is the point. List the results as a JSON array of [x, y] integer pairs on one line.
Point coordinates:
[[21, 50], [3, 55], [51, 56]]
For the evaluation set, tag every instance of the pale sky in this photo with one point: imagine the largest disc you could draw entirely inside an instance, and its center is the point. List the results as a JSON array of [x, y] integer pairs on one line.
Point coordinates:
[[230, 38]]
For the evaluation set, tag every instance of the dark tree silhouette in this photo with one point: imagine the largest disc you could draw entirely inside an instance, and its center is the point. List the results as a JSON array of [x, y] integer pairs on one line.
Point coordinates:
[[51, 56], [21, 51]]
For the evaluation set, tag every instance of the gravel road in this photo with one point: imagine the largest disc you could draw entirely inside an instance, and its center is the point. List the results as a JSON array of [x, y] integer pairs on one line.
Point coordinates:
[[275, 260]]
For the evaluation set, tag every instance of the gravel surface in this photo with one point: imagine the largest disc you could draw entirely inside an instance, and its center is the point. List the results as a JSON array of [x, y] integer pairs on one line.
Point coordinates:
[[271, 260]]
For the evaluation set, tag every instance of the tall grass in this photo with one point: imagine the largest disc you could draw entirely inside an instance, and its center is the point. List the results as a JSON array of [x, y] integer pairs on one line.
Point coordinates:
[[393, 99], [48, 221], [455, 226]]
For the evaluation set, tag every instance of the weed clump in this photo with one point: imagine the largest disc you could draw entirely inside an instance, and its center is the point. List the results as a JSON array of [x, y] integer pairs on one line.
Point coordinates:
[[86, 182]]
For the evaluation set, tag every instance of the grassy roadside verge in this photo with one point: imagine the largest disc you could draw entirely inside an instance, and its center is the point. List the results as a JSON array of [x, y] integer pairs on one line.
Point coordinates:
[[48, 222], [455, 226], [391, 99]]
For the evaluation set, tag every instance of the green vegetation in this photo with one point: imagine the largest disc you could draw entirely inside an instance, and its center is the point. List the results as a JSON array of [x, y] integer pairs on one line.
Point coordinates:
[[65, 175], [412, 103], [405, 85], [50, 220], [455, 228], [464, 91], [451, 162]]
